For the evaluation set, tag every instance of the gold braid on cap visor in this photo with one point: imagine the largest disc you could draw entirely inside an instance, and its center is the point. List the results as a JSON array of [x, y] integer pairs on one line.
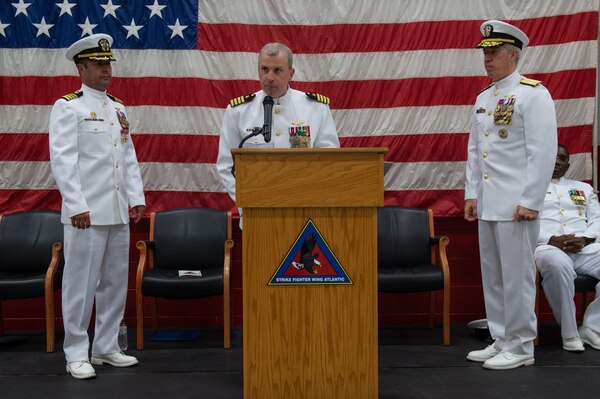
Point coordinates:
[[104, 56], [494, 42]]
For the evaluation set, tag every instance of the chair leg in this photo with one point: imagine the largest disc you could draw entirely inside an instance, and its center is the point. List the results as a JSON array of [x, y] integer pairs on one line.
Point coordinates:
[[536, 341], [584, 302], [1, 320], [139, 305], [49, 301], [431, 321], [226, 319], [446, 316]]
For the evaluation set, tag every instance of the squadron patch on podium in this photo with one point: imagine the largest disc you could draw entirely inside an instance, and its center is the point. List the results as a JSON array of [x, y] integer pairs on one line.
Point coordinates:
[[310, 261]]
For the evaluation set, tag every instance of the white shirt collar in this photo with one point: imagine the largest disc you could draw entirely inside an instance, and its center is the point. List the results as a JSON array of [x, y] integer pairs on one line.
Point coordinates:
[[511, 79], [93, 92]]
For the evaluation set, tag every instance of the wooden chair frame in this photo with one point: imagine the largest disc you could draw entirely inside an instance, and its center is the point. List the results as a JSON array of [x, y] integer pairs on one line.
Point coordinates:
[[438, 256], [438, 249], [146, 261], [48, 298]]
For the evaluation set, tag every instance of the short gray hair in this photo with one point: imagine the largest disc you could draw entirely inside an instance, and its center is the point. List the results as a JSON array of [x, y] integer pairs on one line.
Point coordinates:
[[272, 49], [512, 48]]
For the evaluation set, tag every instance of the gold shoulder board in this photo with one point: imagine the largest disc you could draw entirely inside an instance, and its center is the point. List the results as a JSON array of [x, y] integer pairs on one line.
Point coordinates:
[[485, 88], [72, 96], [530, 82], [115, 98], [242, 99], [318, 97]]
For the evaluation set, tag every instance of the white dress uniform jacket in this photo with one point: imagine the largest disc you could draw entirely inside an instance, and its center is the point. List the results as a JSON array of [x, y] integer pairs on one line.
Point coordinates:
[[512, 150], [511, 164], [570, 207], [93, 161], [291, 110]]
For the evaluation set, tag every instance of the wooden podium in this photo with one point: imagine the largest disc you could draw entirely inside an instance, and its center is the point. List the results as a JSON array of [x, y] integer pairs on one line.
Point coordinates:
[[311, 340]]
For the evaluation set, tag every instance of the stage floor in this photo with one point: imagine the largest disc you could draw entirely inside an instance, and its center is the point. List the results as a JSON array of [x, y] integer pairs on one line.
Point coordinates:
[[412, 364]]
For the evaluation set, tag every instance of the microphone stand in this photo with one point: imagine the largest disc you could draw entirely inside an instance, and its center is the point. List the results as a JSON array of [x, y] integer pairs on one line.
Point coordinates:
[[255, 132]]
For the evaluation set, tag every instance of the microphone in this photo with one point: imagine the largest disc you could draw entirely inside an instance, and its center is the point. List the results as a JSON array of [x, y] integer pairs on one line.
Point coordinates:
[[268, 106]]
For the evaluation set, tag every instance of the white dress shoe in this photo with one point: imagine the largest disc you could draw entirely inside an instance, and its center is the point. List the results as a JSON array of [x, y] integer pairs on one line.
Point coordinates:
[[81, 370], [590, 337], [573, 344], [483, 354], [506, 361], [117, 359]]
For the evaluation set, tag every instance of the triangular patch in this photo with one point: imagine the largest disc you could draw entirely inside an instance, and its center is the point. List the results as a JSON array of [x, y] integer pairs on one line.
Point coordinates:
[[310, 261]]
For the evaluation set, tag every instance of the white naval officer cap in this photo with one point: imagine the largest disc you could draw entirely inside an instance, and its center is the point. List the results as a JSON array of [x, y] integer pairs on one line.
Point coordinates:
[[94, 47], [496, 33]]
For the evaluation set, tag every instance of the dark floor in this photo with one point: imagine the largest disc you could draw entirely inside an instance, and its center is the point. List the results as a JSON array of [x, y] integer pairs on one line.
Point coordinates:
[[412, 364]]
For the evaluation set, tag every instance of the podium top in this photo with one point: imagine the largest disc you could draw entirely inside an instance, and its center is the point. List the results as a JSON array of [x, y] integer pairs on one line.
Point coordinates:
[[309, 177]]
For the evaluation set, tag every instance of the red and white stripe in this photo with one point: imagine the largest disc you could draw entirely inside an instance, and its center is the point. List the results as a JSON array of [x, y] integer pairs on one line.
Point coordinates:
[[402, 75]]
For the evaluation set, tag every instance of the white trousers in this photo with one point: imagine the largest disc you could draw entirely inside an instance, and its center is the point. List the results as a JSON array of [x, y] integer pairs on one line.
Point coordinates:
[[96, 266], [558, 270], [508, 274]]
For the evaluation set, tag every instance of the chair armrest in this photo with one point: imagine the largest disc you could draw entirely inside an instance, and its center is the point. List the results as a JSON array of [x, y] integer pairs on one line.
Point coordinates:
[[440, 243], [227, 259], [52, 267], [145, 247]]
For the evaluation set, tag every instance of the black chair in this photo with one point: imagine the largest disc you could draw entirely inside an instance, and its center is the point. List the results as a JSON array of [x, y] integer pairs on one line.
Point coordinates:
[[412, 259], [185, 239], [31, 261]]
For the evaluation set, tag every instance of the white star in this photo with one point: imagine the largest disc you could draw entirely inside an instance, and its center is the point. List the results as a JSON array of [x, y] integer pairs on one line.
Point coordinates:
[[87, 27], [2, 27], [65, 7], [43, 28], [156, 9], [109, 8], [177, 29], [21, 7], [132, 30]]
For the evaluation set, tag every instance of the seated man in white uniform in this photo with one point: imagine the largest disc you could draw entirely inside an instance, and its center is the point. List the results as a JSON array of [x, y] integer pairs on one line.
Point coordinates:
[[299, 120], [570, 226]]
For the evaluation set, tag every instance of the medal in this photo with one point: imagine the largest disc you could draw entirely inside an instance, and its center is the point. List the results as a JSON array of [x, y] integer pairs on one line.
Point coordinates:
[[299, 135], [577, 197], [504, 110], [124, 125]]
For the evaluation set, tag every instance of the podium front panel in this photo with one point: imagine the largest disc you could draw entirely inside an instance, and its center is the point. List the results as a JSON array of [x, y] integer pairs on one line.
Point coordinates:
[[310, 341]]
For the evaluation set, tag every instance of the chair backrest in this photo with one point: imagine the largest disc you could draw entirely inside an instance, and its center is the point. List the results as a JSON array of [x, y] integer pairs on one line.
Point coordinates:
[[189, 237], [26, 240], [402, 237]]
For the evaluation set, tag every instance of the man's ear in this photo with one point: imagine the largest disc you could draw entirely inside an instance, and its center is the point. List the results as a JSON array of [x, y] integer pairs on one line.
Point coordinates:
[[80, 67]]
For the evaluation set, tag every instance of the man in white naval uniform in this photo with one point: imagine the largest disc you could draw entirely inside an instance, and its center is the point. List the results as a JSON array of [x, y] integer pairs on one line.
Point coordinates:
[[511, 151], [299, 119], [569, 228], [95, 167]]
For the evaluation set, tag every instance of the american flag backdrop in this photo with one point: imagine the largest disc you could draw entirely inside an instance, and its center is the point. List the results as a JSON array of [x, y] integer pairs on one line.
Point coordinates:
[[401, 74]]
